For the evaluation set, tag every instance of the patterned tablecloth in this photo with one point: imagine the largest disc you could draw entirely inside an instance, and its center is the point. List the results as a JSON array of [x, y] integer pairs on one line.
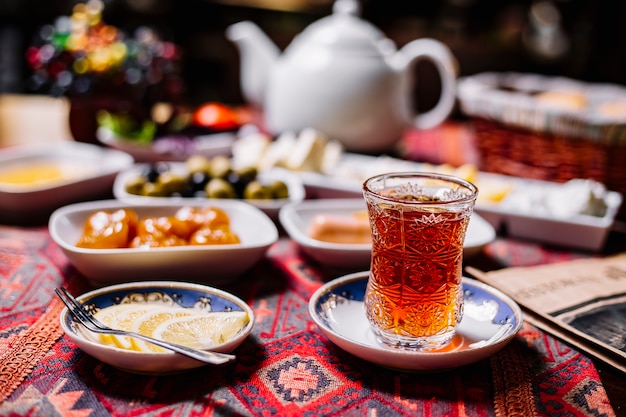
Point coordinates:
[[286, 368]]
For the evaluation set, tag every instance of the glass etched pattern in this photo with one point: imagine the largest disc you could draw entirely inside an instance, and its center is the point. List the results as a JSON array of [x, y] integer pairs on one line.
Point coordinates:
[[414, 296]]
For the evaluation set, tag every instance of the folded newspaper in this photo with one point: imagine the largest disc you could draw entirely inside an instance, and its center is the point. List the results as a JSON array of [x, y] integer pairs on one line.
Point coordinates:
[[582, 302]]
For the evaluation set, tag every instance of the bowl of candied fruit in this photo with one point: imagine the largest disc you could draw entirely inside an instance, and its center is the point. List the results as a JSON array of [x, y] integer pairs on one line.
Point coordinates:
[[213, 178], [211, 242]]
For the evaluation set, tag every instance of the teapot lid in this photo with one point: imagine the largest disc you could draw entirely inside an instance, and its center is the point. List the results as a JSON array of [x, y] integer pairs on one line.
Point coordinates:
[[345, 30]]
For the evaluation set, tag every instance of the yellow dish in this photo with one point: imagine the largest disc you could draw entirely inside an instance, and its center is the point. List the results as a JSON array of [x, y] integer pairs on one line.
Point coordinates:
[[37, 179], [37, 174]]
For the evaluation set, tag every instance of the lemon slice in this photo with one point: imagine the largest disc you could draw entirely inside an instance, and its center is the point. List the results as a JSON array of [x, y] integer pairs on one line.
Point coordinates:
[[175, 324], [202, 331], [122, 317], [147, 323], [493, 192], [111, 316]]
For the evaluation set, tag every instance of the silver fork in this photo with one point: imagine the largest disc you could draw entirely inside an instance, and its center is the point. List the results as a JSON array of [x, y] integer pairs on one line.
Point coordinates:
[[92, 324]]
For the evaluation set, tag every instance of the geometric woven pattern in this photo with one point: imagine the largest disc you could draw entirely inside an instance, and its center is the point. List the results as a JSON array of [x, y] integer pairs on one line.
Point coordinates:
[[285, 368], [294, 380]]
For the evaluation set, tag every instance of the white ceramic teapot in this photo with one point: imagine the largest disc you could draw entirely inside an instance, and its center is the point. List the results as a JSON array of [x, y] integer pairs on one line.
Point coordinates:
[[342, 77]]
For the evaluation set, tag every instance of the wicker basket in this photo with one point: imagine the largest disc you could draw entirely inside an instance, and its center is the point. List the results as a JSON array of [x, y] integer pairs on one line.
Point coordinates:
[[521, 130]]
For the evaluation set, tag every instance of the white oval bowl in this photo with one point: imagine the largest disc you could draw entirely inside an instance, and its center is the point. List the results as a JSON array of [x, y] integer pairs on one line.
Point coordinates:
[[296, 218], [206, 264], [184, 294], [94, 170]]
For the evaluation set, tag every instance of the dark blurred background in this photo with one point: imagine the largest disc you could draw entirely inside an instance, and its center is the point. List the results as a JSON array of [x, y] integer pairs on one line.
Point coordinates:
[[581, 39]]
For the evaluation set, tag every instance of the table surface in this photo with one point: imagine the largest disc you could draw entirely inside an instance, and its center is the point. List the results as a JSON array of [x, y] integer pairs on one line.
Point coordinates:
[[287, 366]]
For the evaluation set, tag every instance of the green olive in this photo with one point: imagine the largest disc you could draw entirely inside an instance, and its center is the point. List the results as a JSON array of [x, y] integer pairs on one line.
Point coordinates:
[[172, 182], [220, 166], [255, 190], [279, 189], [248, 173], [198, 163], [135, 185], [220, 188], [153, 189]]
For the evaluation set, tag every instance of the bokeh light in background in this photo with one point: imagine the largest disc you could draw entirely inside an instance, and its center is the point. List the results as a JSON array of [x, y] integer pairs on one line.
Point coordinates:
[[81, 53], [581, 39]]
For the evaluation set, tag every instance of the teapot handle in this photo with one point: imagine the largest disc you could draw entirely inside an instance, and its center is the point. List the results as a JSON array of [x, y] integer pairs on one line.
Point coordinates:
[[445, 63]]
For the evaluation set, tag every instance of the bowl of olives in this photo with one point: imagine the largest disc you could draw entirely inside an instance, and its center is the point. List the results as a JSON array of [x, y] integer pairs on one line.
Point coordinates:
[[202, 178]]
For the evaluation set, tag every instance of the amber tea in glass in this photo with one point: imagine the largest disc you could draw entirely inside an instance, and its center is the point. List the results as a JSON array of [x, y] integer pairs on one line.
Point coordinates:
[[414, 296]]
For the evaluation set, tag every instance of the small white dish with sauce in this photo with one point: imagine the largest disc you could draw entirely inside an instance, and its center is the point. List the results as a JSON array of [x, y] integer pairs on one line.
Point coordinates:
[[296, 220], [36, 179]]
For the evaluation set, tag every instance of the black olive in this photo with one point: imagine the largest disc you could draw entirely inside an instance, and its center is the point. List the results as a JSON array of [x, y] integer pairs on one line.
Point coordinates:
[[153, 171], [198, 180], [238, 182]]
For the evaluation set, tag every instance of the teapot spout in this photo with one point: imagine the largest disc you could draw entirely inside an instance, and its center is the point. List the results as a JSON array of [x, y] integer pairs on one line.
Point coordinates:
[[257, 57]]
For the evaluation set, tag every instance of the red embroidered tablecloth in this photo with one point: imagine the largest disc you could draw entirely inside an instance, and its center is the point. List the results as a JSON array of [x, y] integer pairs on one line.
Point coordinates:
[[286, 368]]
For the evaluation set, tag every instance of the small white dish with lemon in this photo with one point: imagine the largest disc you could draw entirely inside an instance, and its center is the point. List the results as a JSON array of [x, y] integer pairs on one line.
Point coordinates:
[[192, 315]]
